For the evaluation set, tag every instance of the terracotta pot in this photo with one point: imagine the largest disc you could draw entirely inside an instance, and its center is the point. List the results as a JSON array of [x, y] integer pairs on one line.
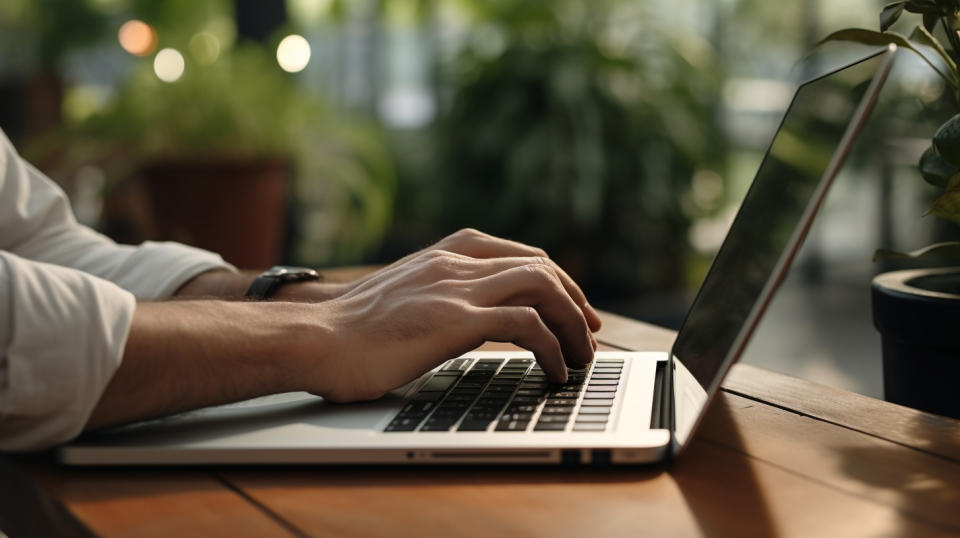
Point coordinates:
[[235, 207], [917, 312]]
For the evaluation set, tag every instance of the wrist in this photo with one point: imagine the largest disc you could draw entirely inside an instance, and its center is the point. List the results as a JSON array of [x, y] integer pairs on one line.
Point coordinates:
[[310, 291]]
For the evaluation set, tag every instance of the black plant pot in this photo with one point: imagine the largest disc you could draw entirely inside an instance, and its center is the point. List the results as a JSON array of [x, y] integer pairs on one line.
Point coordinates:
[[917, 312]]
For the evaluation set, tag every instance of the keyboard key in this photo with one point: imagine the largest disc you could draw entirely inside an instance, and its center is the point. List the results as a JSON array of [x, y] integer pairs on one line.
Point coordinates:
[[571, 386], [438, 384], [595, 410], [565, 395], [512, 425], [515, 408], [617, 371], [605, 382], [456, 365], [427, 396], [473, 425], [550, 427], [490, 361], [601, 388], [598, 395], [403, 424], [519, 361], [532, 385], [605, 376], [450, 413], [437, 425], [558, 410], [592, 418], [596, 403], [417, 406], [559, 401], [609, 361], [500, 389], [531, 392], [554, 418], [589, 427], [504, 381], [516, 416]]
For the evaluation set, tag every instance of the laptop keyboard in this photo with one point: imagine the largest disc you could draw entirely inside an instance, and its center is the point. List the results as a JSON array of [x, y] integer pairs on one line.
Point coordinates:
[[511, 395]]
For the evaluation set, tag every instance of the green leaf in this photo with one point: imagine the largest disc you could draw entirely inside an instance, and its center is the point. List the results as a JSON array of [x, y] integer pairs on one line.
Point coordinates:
[[947, 205], [922, 36], [889, 15], [946, 141], [935, 170], [921, 6], [946, 250], [874, 38]]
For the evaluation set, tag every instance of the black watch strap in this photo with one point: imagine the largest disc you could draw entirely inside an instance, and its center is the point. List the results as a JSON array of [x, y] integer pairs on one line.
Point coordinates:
[[268, 281]]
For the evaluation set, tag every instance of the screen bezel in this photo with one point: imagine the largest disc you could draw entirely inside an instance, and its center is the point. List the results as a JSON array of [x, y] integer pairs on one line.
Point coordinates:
[[855, 125]]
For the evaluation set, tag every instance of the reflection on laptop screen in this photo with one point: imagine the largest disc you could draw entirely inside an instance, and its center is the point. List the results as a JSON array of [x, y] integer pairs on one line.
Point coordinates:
[[770, 215]]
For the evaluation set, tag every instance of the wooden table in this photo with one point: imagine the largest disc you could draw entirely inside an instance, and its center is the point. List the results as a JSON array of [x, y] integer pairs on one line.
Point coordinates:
[[775, 456]]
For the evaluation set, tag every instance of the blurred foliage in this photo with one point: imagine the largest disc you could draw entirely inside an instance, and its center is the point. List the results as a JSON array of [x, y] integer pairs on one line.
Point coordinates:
[[45, 30], [577, 126], [940, 163], [238, 104]]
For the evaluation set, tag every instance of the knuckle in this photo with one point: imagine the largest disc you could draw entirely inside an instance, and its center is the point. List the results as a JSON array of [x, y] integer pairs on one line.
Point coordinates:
[[544, 274], [527, 317], [469, 232], [441, 259]]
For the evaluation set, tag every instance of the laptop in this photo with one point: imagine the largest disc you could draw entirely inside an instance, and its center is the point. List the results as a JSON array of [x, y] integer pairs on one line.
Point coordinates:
[[497, 407]]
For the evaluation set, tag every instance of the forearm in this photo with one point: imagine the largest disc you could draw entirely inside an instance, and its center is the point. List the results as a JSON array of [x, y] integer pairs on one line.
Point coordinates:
[[183, 355], [229, 285]]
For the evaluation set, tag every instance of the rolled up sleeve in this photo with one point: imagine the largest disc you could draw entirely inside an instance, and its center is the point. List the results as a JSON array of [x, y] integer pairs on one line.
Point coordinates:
[[62, 336], [37, 223]]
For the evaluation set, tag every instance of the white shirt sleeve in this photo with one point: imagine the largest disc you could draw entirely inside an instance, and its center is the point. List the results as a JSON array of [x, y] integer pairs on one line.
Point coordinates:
[[62, 335], [36, 223], [67, 297]]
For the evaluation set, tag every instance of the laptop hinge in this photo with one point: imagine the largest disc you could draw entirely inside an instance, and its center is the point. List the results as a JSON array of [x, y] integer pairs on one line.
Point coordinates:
[[661, 416]]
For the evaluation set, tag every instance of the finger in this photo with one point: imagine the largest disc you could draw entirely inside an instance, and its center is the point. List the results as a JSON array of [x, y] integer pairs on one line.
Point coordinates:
[[539, 287], [523, 326], [477, 244], [498, 264]]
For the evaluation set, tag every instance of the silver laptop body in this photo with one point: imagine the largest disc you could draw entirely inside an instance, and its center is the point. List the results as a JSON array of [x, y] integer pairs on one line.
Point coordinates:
[[495, 407]]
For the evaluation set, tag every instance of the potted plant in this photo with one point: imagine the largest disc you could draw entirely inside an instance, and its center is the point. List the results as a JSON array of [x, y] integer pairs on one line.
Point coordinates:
[[917, 310], [557, 137], [217, 157], [37, 35]]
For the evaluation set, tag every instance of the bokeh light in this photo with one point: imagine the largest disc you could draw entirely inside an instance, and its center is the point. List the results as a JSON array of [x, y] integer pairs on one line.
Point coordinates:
[[293, 53], [205, 48], [168, 65], [137, 38]]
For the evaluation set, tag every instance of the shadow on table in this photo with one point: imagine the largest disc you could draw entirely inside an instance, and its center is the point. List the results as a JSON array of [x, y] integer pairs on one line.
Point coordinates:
[[718, 482], [26, 510], [922, 485]]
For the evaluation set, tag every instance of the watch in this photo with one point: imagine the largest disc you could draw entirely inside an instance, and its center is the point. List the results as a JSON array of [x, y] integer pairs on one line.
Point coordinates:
[[268, 281]]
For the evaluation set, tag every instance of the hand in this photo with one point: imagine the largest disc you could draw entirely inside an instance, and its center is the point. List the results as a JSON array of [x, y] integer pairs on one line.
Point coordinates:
[[476, 244], [392, 326]]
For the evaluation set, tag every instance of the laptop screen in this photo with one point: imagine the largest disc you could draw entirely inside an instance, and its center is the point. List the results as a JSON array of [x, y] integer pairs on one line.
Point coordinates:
[[770, 220]]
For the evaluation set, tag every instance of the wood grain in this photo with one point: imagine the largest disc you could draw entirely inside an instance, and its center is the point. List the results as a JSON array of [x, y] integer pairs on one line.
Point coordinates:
[[923, 431], [775, 456], [153, 502], [837, 483]]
